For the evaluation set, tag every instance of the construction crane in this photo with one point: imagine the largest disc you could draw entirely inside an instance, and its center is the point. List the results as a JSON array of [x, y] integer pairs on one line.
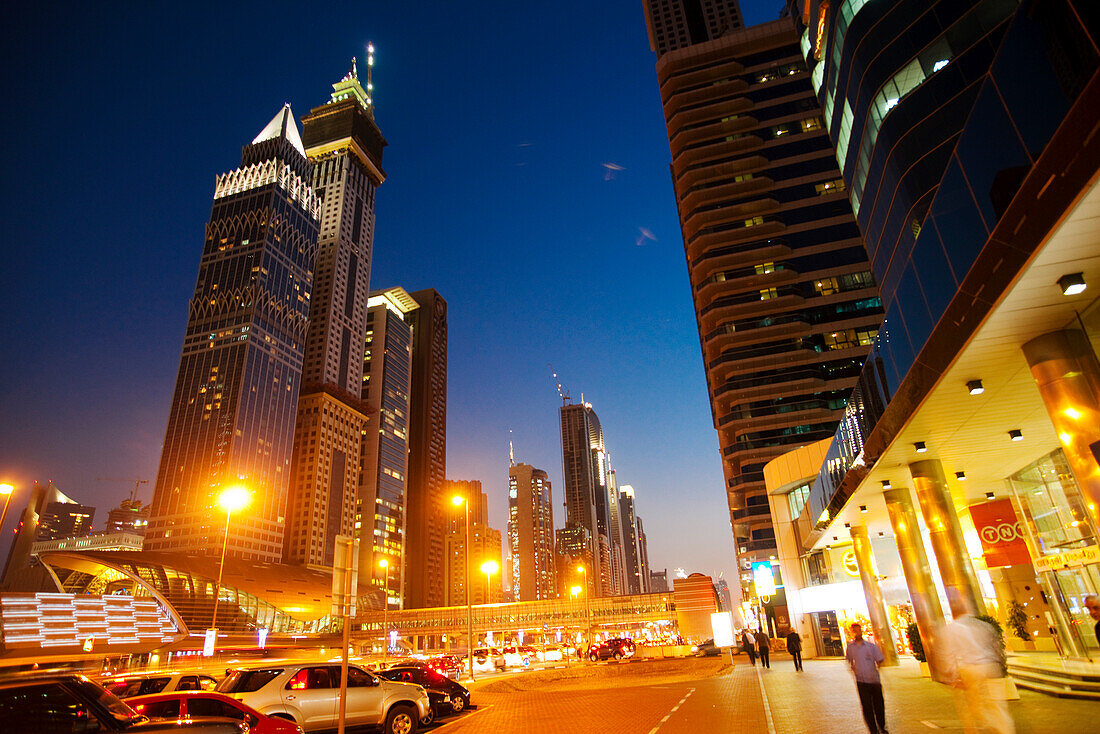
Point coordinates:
[[566, 398], [137, 483]]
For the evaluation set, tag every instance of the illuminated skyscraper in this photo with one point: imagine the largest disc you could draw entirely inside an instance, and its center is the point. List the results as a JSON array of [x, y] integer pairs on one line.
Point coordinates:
[[383, 479], [426, 521], [231, 419], [786, 305], [345, 145], [485, 545], [531, 533]]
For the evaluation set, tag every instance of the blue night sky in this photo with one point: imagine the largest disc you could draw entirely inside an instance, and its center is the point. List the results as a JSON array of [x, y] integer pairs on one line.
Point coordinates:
[[499, 116]]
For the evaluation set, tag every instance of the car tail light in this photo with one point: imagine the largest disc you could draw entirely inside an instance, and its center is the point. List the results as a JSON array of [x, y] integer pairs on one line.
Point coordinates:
[[139, 708]]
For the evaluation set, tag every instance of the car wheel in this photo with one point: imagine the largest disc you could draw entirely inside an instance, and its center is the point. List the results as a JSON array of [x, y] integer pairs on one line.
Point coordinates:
[[594, 657], [459, 704], [618, 655], [400, 720], [427, 720]]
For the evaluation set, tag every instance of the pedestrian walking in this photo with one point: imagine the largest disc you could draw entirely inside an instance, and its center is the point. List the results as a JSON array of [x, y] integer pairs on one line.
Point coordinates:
[[1092, 603], [762, 642], [794, 647], [748, 644], [865, 657], [972, 661]]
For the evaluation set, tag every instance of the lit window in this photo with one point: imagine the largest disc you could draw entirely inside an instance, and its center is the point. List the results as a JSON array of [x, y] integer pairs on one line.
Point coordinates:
[[768, 293]]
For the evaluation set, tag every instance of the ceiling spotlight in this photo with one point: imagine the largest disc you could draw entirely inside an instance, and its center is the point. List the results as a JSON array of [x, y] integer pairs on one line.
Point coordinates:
[[847, 524], [834, 537], [863, 509], [886, 484], [920, 447], [975, 387], [1072, 284], [880, 533], [961, 476], [989, 495], [1016, 434]]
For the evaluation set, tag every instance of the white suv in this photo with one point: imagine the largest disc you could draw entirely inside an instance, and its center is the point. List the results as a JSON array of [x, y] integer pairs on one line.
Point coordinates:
[[308, 694]]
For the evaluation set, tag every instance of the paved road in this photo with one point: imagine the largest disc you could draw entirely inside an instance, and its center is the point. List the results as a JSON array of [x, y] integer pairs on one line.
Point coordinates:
[[820, 700]]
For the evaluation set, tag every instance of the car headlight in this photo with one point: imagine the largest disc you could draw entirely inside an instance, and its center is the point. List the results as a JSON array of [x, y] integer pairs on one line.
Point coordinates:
[[695, 648]]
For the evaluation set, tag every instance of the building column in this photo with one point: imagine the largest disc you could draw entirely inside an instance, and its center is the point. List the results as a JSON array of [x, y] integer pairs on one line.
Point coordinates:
[[876, 608], [1067, 374], [914, 565], [952, 557]]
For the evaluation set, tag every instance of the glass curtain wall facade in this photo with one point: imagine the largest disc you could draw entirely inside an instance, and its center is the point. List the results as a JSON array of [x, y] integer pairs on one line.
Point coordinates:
[[232, 415]]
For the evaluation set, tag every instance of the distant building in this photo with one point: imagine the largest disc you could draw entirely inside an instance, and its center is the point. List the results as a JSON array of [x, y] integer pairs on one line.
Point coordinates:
[[382, 504], [20, 575], [231, 418], [129, 517], [658, 581], [426, 523], [637, 581], [531, 533], [574, 549], [345, 146], [485, 545], [64, 519], [643, 559]]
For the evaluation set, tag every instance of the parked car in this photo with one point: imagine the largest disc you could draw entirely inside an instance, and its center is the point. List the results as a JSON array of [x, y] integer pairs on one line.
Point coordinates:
[[126, 685], [706, 648], [454, 697], [616, 648], [549, 654], [307, 693], [202, 704], [448, 665], [51, 704]]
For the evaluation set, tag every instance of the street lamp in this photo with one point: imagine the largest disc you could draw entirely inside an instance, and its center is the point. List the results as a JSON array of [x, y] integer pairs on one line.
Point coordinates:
[[459, 500], [489, 568], [232, 498], [6, 490], [385, 566], [587, 612]]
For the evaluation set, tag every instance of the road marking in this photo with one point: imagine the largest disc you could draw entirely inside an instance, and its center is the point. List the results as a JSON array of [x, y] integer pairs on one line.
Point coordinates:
[[767, 706], [671, 712], [460, 719]]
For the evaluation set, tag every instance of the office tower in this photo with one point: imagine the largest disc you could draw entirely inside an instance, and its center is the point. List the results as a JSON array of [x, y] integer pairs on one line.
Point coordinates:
[[485, 545], [677, 24], [574, 549], [345, 146], [615, 540], [588, 503], [658, 581], [428, 506], [784, 298], [129, 517], [381, 506], [631, 550], [531, 533], [644, 576], [232, 414], [64, 519], [971, 154]]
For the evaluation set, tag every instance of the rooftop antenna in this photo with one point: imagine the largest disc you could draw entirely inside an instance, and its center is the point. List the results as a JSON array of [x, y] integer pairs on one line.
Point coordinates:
[[566, 398]]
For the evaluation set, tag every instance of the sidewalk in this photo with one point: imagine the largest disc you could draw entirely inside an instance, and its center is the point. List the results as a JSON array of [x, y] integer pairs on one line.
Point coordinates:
[[822, 699]]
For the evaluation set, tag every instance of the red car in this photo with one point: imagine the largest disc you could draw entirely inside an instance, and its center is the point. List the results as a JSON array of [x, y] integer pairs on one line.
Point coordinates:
[[447, 665], [197, 704]]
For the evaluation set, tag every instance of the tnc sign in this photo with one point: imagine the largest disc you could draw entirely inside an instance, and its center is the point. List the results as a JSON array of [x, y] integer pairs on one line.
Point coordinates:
[[1001, 533]]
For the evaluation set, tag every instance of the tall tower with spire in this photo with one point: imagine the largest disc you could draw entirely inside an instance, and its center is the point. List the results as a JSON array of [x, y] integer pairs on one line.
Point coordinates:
[[345, 146], [232, 415]]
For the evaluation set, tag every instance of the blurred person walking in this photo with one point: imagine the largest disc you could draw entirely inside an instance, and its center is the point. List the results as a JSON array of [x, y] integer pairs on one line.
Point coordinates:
[[1092, 603], [973, 662], [762, 642], [748, 644], [865, 657], [794, 647]]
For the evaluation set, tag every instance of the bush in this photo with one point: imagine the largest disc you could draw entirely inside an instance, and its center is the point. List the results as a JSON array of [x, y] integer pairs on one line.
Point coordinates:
[[1001, 655], [1017, 621], [915, 643]]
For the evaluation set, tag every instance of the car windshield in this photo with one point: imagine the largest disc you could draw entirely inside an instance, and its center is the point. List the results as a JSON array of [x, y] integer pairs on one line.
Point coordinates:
[[247, 681], [109, 701]]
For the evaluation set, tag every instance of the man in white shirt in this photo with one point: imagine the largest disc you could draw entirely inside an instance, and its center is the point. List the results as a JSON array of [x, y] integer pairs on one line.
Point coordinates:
[[972, 661], [865, 657]]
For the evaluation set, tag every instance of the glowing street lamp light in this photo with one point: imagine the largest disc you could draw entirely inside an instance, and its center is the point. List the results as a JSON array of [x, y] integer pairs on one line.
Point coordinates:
[[587, 612], [385, 566], [489, 568], [460, 501], [231, 499]]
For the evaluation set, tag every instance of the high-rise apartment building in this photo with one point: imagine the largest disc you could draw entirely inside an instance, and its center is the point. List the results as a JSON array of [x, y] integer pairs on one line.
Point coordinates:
[[383, 478], [232, 414], [426, 520], [784, 297], [586, 468], [345, 146], [637, 576], [485, 545], [531, 533]]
